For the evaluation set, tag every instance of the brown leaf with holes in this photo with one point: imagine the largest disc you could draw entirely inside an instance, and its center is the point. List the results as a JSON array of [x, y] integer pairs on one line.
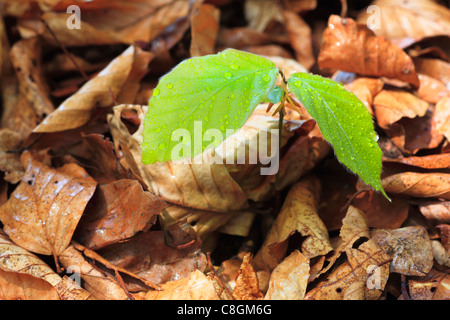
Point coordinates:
[[354, 48], [43, 211], [298, 215], [409, 248], [433, 286]]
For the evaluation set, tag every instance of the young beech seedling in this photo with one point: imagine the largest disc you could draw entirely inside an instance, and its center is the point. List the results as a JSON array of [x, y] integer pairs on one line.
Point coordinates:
[[222, 90]]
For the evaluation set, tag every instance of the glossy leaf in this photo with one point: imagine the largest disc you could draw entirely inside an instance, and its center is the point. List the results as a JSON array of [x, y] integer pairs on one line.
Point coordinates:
[[210, 92], [344, 122]]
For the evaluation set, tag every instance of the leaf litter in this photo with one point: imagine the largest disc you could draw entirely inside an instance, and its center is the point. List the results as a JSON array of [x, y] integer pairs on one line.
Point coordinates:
[[76, 197]]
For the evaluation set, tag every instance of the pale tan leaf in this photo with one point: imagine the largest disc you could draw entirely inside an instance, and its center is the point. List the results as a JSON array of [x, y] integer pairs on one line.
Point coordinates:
[[442, 117], [22, 286], [289, 279], [436, 211], [407, 19], [195, 287], [409, 247]]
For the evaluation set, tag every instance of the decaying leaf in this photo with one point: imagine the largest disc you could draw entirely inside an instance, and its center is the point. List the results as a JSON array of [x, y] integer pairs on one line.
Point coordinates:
[[247, 284], [434, 286], [43, 211]]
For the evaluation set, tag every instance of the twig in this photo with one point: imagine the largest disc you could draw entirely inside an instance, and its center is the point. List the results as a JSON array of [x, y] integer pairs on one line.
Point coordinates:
[[210, 265]]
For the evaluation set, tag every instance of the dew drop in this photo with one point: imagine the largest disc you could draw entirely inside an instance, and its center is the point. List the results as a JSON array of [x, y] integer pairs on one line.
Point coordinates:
[[266, 78], [169, 86], [234, 66], [162, 146], [227, 75], [156, 92]]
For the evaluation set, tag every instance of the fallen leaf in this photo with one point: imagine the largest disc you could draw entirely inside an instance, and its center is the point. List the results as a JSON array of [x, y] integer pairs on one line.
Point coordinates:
[[298, 214], [10, 142], [300, 37], [412, 19], [204, 29], [100, 91], [441, 255], [260, 14], [433, 161], [422, 185], [195, 287], [433, 286], [431, 89], [43, 211], [247, 284], [119, 210], [435, 68], [22, 286], [354, 48], [442, 117], [365, 89], [289, 279], [409, 247], [437, 211]]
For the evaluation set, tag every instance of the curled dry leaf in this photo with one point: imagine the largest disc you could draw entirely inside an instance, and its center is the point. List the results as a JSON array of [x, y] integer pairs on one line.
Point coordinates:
[[435, 68], [195, 287], [436, 211], [247, 284], [407, 19], [298, 214], [442, 117], [365, 89], [433, 286], [441, 255], [119, 210], [289, 279], [354, 48], [202, 186], [433, 161], [431, 90], [100, 91], [43, 211], [409, 248], [422, 185]]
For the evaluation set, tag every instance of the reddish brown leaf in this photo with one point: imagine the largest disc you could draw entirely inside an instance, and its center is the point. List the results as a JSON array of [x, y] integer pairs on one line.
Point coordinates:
[[433, 286], [247, 285], [354, 48], [204, 29]]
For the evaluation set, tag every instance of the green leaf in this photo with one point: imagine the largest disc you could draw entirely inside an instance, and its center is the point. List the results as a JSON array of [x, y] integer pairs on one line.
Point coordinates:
[[344, 122], [275, 95], [217, 91]]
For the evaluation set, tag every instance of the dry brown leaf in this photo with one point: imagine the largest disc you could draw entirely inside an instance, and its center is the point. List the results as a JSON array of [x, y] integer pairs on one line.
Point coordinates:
[[119, 210], [289, 279], [435, 68], [100, 285], [247, 284], [259, 14], [70, 290], [26, 59], [190, 185], [409, 247], [365, 89], [431, 89], [442, 117], [354, 48], [149, 256], [22, 286], [100, 91], [43, 211], [422, 185], [392, 105], [107, 22], [195, 287], [434, 161], [298, 214], [10, 142], [362, 277], [204, 29], [434, 286], [407, 19], [300, 38], [441, 256], [436, 211]]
